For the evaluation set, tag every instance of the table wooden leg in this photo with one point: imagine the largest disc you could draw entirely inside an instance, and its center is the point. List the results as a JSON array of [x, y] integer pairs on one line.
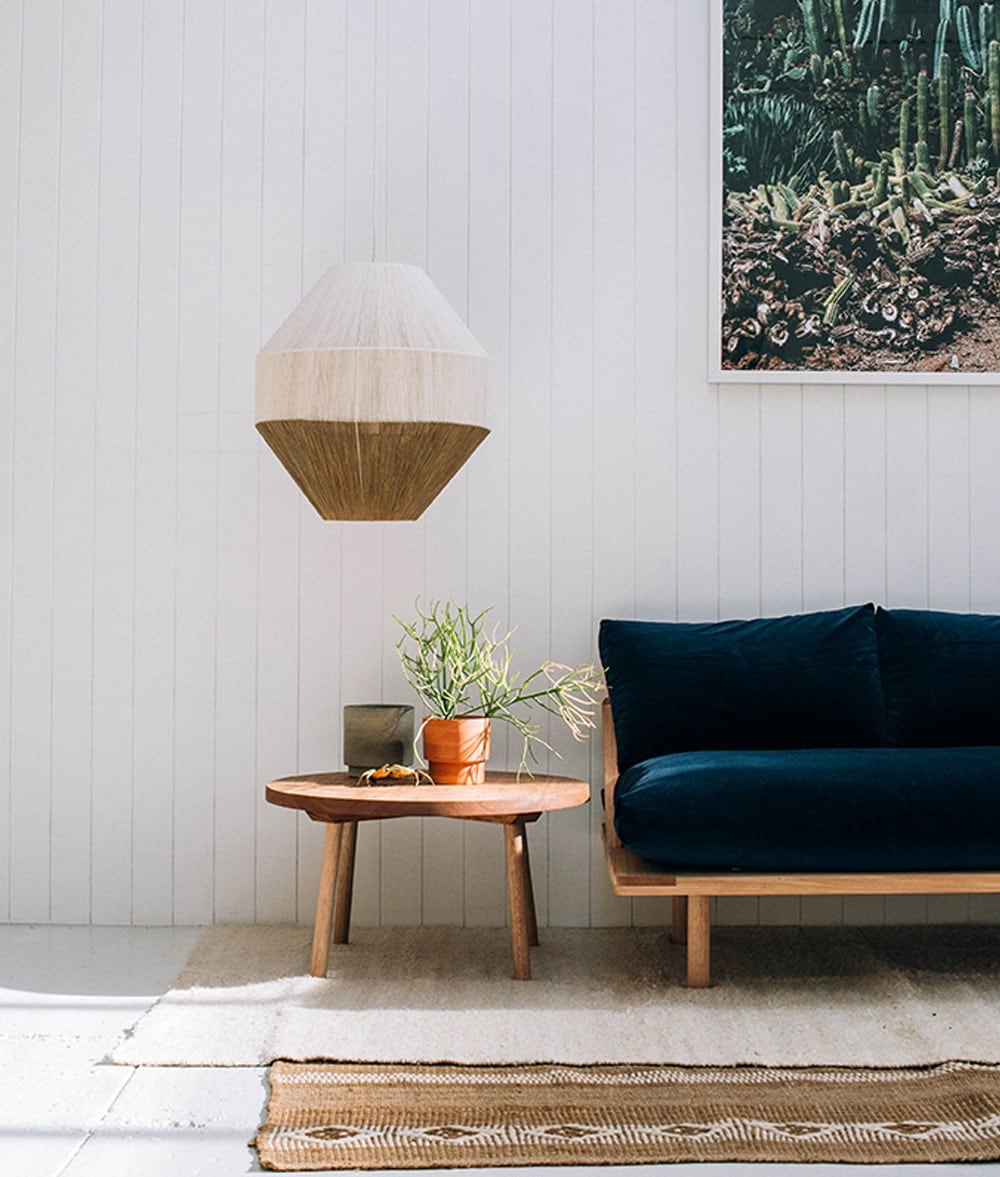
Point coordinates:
[[325, 900], [345, 883], [529, 893], [679, 909], [517, 898], [699, 938]]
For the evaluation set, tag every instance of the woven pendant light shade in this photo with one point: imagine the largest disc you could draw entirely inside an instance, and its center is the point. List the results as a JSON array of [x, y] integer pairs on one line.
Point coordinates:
[[372, 393]]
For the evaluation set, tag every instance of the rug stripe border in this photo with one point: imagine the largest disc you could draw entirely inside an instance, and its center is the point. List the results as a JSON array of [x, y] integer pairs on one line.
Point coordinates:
[[956, 1116]]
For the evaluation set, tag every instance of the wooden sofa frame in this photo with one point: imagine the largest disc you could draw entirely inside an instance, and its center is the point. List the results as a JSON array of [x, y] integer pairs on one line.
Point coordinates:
[[692, 891]]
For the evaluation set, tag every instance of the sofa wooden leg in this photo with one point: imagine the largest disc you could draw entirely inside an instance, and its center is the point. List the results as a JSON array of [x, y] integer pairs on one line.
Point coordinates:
[[679, 928], [699, 937]]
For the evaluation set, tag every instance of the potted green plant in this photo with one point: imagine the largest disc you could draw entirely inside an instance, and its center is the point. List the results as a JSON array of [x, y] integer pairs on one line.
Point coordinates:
[[462, 671]]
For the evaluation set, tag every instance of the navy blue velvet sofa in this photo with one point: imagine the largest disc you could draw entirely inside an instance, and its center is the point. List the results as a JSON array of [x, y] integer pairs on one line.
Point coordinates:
[[855, 750]]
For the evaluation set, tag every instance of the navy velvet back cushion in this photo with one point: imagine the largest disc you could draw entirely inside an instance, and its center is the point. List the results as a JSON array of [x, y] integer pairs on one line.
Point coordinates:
[[941, 677], [806, 681]]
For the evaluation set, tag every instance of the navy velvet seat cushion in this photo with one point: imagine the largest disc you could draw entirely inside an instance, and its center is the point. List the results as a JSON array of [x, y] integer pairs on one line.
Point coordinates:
[[806, 681], [827, 809], [941, 677]]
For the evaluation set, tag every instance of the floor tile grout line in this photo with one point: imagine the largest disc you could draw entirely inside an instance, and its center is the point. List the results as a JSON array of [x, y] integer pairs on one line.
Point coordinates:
[[102, 1119]]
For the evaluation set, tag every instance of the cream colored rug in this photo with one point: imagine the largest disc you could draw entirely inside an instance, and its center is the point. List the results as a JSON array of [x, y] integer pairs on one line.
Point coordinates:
[[323, 1116], [782, 997]]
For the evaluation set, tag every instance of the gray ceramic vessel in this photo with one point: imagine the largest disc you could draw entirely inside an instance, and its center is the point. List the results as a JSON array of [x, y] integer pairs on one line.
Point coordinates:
[[377, 734]]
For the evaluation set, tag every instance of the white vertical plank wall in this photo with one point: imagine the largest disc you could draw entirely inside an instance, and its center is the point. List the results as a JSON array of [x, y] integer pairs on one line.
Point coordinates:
[[112, 564], [489, 310], [446, 531], [320, 548], [407, 60], [530, 540], [580, 440], [180, 626], [11, 66], [33, 465], [740, 546], [984, 551], [822, 543], [73, 491], [654, 303], [157, 380], [781, 540], [279, 509]]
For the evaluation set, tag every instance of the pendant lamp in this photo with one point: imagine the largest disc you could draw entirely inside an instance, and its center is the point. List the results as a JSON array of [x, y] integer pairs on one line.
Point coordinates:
[[372, 393]]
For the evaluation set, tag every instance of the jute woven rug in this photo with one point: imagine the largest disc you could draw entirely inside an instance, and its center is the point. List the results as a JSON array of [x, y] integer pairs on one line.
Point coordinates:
[[337, 1116]]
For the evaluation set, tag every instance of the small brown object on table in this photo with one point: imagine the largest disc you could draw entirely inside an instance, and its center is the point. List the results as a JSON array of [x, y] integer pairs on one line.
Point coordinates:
[[331, 798]]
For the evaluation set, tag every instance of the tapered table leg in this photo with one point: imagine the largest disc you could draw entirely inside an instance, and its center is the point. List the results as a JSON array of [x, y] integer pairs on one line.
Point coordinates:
[[345, 882], [529, 894], [517, 897], [325, 900], [699, 938]]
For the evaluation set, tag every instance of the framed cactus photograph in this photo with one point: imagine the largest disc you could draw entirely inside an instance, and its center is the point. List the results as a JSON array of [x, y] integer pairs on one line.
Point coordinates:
[[857, 188]]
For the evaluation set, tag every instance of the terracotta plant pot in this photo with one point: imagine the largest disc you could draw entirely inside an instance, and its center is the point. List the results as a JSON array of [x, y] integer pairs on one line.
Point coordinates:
[[456, 750]]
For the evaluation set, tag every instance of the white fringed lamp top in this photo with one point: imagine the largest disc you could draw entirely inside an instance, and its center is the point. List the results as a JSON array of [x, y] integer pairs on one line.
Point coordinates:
[[372, 393]]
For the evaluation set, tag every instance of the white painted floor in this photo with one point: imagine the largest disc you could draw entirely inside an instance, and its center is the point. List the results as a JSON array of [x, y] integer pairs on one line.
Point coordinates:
[[66, 997]]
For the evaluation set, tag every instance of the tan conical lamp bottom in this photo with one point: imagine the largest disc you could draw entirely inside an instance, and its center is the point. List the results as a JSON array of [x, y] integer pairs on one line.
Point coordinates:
[[371, 470]]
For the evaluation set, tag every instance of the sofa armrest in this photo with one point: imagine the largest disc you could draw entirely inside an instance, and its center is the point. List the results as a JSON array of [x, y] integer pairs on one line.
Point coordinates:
[[610, 750]]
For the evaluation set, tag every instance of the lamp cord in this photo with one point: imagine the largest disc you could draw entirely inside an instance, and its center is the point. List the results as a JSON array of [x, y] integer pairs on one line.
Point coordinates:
[[375, 130]]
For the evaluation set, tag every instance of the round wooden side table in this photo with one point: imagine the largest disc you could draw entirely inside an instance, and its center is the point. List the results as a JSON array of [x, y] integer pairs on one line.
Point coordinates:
[[332, 798]]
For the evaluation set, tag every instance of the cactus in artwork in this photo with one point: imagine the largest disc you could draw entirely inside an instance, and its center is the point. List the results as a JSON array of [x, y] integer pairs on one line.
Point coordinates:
[[881, 181], [838, 18], [956, 147], [987, 29], [812, 21], [907, 59], [944, 105], [923, 101], [841, 156], [834, 301], [993, 66], [940, 41], [866, 23], [817, 67], [873, 102], [905, 109], [968, 39], [969, 121], [975, 32]]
